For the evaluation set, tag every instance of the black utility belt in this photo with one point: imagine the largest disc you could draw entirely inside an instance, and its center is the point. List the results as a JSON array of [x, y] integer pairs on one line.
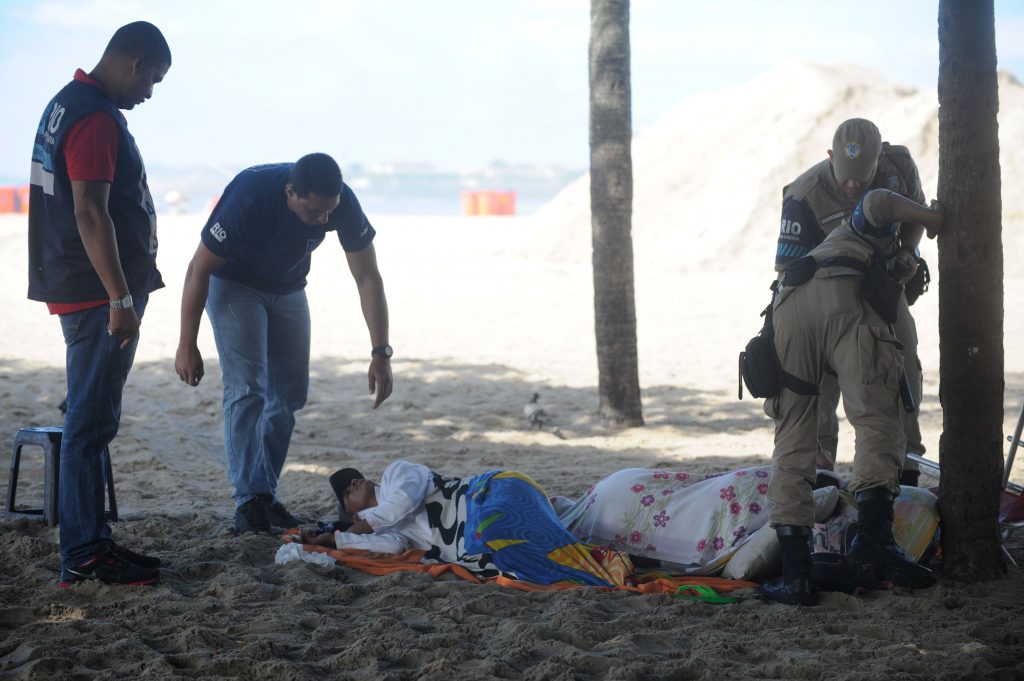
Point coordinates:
[[878, 289]]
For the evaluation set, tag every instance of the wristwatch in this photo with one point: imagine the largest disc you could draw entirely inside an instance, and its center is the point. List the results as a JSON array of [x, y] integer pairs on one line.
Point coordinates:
[[121, 303], [382, 351]]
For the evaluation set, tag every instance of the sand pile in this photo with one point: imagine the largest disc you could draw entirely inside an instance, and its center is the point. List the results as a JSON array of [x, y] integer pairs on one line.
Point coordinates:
[[708, 176]]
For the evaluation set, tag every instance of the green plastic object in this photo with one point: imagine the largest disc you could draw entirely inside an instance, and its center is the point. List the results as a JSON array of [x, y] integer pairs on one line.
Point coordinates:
[[702, 592]]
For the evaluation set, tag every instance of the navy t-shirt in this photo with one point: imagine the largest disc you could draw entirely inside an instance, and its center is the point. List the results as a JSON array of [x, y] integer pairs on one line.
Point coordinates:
[[266, 245]]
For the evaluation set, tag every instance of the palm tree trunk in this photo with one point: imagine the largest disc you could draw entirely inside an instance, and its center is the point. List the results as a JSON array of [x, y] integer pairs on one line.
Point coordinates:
[[611, 206], [970, 292]]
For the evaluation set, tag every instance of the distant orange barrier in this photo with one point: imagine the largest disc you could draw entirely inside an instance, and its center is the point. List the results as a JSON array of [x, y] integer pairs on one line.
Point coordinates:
[[7, 198], [471, 203], [489, 202], [14, 199]]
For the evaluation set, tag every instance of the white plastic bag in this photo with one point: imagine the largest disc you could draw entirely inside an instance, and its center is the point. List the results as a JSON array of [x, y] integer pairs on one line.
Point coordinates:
[[292, 552]]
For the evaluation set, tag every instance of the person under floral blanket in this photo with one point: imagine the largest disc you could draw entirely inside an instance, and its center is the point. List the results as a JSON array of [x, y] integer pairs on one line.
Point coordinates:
[[691, 522], [499, 522]]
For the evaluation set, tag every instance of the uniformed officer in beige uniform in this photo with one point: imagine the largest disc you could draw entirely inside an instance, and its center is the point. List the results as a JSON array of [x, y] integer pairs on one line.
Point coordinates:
[[815, 204], [826, 322]]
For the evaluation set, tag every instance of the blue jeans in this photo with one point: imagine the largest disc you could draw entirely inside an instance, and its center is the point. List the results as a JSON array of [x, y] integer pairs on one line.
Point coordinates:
[[97, 369], [263, 342]]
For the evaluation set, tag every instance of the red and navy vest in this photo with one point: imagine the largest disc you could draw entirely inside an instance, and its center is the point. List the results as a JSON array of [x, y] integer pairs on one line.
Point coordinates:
[[59, 269]]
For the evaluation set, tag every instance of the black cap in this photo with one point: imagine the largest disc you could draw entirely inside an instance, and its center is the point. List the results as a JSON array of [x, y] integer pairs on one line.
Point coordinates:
[[340, 481]]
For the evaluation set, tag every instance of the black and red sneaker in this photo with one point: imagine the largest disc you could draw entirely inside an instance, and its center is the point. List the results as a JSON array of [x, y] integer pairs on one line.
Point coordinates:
[[109, 568], [142, 560]]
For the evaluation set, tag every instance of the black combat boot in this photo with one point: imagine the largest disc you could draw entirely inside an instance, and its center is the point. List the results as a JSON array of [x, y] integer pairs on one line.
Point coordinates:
[[794, 587], [874, 554]]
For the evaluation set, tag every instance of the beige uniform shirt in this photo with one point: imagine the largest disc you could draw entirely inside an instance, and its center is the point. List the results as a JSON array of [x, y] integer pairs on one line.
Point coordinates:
[[813, 205]]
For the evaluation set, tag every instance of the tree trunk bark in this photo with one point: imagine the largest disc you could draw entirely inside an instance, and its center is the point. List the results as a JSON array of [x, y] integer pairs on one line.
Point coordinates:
[[611, 207], [970, 292]]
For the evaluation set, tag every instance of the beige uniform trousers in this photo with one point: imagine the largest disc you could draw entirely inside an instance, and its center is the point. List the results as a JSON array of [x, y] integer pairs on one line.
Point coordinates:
[[824, 323], [828, 421]]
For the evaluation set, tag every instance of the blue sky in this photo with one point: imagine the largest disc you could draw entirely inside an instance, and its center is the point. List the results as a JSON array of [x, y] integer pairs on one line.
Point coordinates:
[[457, 83]]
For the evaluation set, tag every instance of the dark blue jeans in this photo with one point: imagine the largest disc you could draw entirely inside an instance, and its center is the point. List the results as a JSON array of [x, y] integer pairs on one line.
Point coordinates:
[[96, 369]]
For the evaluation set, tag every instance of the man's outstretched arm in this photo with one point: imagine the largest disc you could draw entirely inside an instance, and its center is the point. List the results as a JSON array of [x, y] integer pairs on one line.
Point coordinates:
[[188, 361], [363, 265]]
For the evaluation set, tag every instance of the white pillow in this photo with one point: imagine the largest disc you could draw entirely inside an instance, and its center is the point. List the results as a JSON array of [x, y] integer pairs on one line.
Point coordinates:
[[759, 557]]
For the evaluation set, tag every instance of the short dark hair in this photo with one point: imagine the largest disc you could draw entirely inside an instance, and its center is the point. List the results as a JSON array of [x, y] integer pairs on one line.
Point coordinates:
[[317, 173], [140, 39], [340, 481]]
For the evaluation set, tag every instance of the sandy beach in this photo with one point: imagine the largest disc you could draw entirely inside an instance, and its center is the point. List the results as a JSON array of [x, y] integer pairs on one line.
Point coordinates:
[[477, 329], [485, 312]]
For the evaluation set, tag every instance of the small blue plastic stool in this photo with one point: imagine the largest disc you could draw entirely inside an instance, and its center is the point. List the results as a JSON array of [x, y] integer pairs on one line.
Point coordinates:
[[49, 438]]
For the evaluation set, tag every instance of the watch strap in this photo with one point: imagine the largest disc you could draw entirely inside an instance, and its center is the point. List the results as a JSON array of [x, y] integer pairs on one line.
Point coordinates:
[[121, 303]]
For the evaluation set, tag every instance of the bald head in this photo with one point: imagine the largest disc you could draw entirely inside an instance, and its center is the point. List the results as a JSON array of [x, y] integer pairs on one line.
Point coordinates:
[[140, 39], [136, 59]]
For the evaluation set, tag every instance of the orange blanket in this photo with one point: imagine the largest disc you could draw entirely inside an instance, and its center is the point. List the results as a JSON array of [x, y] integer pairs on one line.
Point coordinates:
[[386, 563]]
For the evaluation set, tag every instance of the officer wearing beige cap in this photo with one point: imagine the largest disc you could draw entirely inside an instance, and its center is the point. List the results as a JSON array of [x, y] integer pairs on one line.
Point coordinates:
[[825, 316], [815, 204]]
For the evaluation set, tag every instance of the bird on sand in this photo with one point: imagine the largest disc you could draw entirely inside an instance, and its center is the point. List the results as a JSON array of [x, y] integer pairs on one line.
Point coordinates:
[[534, 413]]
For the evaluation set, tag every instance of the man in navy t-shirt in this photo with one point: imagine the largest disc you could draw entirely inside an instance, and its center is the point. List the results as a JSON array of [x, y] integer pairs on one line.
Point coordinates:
[[250, 273]]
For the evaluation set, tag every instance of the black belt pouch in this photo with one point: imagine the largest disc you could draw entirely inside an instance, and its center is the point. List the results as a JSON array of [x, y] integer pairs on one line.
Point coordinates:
[[881, 292]]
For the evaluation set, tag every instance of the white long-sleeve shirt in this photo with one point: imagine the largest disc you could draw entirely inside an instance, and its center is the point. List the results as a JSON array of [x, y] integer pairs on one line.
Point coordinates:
[[399, 520]]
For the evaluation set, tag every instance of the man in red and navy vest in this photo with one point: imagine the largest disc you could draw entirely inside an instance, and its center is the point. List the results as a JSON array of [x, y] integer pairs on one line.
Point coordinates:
[[92, 260]]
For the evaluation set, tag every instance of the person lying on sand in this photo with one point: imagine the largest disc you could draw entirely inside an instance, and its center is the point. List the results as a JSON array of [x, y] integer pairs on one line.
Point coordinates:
[[675, 519], [499, 522], [685, 521], [695, 522]]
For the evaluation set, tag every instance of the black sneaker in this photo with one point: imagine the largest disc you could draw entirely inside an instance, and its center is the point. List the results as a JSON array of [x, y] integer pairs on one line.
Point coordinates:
[[110, 569], [151, 562], [279, 516], [252, 517]]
